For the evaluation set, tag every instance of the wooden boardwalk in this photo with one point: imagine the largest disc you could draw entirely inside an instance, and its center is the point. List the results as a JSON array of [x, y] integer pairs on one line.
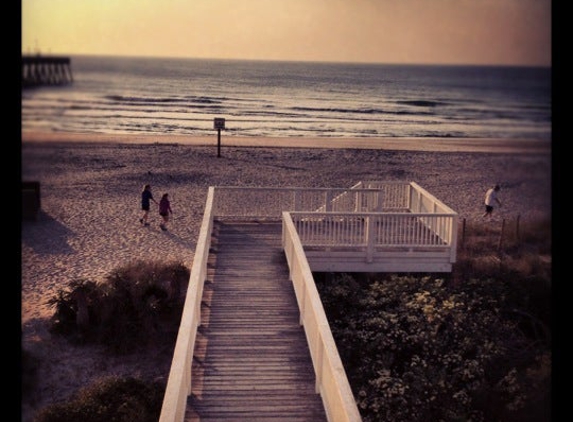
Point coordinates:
[[251, 359]]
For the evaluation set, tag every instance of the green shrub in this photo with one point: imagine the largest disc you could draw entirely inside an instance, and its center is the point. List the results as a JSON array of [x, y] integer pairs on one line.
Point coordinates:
[[110, 399], [82, 293], [135, 305], [471, 345], [419, 349]]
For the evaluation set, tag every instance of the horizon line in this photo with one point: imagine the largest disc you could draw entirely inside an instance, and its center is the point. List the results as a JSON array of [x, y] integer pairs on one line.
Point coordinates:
[[135, 56]]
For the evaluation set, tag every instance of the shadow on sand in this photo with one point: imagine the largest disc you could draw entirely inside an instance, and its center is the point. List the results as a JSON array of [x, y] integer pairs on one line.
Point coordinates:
[[46, 235]]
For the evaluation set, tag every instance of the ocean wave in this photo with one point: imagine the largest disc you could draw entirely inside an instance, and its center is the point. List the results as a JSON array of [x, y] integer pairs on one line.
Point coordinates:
[[301, 99]]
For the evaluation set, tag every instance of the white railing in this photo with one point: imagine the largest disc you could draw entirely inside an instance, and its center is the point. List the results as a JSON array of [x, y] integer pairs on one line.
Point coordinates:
[[374, 234], [179, 381], [351, 221], [331, 380], [262, 202], [422, 201], [374, 229], [395, 196]]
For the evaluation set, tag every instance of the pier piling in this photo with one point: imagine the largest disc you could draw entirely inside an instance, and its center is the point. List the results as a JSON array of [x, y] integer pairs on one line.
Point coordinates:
[[46, 70]]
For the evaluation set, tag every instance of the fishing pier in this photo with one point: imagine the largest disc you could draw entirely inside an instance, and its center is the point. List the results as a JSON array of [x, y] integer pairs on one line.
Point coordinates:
[[40, 70]]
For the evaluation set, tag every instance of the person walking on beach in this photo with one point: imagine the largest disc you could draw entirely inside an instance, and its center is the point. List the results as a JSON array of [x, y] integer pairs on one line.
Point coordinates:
[[146, 198], [164, 210], [490, 199]]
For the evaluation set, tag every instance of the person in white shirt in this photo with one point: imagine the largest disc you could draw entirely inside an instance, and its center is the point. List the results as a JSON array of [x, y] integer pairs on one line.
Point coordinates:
[[490, 199]]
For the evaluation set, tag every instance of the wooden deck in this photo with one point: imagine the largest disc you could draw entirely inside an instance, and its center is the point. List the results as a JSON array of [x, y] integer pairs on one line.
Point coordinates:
[[251, 359]]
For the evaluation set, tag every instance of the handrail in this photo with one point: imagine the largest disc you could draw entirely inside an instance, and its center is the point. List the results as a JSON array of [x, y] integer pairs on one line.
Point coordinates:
[[179, 381], [436, 204], [331, 380]]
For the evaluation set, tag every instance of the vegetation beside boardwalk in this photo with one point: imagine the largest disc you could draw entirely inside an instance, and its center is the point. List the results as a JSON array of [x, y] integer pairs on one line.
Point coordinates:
[[121, 399], [471, 345], [137, 307]]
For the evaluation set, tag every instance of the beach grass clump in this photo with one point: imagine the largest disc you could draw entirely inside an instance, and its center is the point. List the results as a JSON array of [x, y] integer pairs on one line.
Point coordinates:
[[508, 249], [136, 305], [121, 399]]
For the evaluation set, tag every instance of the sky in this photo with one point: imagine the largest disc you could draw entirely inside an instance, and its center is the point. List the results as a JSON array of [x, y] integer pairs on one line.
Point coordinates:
[[488, 32]]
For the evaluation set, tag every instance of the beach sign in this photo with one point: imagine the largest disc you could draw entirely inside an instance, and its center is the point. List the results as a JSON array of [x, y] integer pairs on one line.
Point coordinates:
[[219, 123]]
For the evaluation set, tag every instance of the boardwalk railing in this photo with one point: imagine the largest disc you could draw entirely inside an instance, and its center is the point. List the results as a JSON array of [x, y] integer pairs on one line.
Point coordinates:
[[179, 381], [331, 380], [368, 216], [377, 242], [417, 200], [371, 230], [269, 203]]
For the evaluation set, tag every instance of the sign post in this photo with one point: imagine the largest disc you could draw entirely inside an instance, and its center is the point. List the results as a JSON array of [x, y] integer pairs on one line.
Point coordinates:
[[219, 123]]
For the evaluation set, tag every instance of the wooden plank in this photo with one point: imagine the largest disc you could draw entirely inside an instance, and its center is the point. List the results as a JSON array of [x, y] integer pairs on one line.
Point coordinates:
[[251, 360]]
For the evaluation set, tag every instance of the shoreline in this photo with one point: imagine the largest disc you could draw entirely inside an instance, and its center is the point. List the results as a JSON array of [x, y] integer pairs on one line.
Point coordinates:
[[493, 145]]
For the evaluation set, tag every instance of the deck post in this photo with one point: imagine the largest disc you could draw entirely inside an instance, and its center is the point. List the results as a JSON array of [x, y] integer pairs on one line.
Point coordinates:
[[379, 201], [369, 239], [409, 196], [454, 237], [296, 194], [328, 204], [358, 200]]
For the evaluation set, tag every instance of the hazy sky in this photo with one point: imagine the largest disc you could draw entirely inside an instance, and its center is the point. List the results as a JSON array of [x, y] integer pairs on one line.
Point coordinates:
[[504, 32]]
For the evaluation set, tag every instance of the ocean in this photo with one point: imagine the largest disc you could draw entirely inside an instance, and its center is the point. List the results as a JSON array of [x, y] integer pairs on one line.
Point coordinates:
[[114, 95]]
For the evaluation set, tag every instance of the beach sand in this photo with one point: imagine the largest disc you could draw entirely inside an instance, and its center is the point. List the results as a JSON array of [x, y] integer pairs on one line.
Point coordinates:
[[90, 210]]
